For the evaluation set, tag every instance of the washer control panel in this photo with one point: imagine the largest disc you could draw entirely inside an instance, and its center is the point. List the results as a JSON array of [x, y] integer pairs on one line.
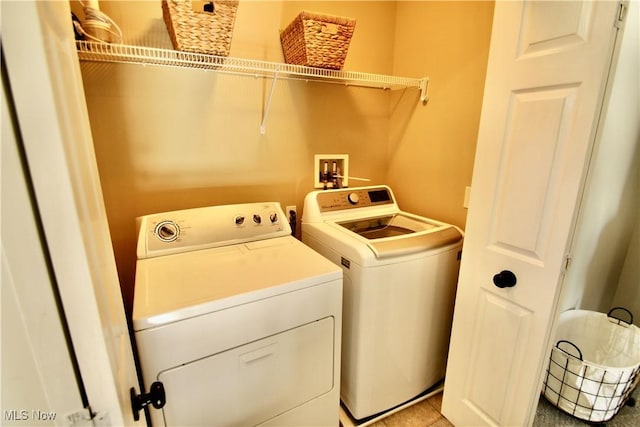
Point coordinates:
[[200, 228], [334, 200]]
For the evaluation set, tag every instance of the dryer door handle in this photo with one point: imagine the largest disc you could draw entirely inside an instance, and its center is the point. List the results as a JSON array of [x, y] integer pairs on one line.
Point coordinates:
[[155, 397]]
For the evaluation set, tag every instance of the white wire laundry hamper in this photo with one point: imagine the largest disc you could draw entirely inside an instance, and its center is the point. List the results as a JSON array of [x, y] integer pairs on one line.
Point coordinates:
[[594, 366]]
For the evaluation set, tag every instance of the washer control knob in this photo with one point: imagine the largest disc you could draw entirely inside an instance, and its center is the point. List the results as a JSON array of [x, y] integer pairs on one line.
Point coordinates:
[[167, 231], [273, 217], [239, 220], [353, 198], [257, 219]]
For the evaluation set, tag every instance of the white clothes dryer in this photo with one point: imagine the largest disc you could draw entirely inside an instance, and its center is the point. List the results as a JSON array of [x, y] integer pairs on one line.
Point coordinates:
[[400, 274], [237, 319]]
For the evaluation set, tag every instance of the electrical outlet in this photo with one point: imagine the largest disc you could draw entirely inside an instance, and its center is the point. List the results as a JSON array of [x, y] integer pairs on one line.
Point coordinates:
[[292, 217], [323, 170], [288, 211]]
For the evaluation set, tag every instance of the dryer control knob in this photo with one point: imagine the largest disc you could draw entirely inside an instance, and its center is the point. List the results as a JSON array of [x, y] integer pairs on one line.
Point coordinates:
[[167, 231], [353, 198]]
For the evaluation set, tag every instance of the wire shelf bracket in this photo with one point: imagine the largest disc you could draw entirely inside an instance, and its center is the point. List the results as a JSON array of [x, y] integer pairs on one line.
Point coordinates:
[[265, 114]]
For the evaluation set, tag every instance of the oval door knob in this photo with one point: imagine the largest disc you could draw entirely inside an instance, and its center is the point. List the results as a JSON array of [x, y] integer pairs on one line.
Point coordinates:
[[505, 279]]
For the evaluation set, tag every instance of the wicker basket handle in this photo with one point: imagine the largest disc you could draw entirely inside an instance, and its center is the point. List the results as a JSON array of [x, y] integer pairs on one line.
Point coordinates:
[[329, 28], [617, 319], [209, 7], [575, 347]]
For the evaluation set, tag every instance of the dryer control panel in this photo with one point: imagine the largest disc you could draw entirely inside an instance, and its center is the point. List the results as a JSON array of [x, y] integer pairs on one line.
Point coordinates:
[[350, 198], [200, 228]]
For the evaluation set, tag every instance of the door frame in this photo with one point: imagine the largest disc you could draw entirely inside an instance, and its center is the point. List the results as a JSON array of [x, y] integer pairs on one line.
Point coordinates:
[[46, 85], [39, 370]]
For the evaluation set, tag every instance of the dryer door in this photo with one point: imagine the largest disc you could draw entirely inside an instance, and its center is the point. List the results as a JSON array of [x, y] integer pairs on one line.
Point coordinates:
[[253, 383]]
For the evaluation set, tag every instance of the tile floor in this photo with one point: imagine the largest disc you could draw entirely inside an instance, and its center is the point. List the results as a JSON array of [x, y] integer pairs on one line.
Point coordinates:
[[427, 414], [423, 414]]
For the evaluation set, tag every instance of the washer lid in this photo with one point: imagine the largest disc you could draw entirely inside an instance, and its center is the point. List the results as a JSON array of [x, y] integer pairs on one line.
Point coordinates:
[[175, 287], [401, 233], [379, 227], [416, 242]]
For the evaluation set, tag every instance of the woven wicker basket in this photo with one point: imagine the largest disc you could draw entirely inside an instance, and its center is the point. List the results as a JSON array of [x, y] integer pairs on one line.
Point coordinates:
[[200, 32], [317, 40]]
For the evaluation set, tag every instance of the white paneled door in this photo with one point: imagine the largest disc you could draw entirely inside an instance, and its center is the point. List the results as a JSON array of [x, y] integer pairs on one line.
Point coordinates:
[[548, 66]]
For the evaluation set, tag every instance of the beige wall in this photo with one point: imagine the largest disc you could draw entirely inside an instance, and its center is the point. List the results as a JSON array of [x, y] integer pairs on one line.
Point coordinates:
[[432, 147], [170, 139]]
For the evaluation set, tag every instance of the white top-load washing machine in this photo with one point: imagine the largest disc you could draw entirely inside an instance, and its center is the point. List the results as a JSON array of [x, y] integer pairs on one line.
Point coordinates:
[[237, 319], [400, 276]]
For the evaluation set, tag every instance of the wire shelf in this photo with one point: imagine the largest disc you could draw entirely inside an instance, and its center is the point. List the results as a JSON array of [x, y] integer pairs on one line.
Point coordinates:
[[103, 52]]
